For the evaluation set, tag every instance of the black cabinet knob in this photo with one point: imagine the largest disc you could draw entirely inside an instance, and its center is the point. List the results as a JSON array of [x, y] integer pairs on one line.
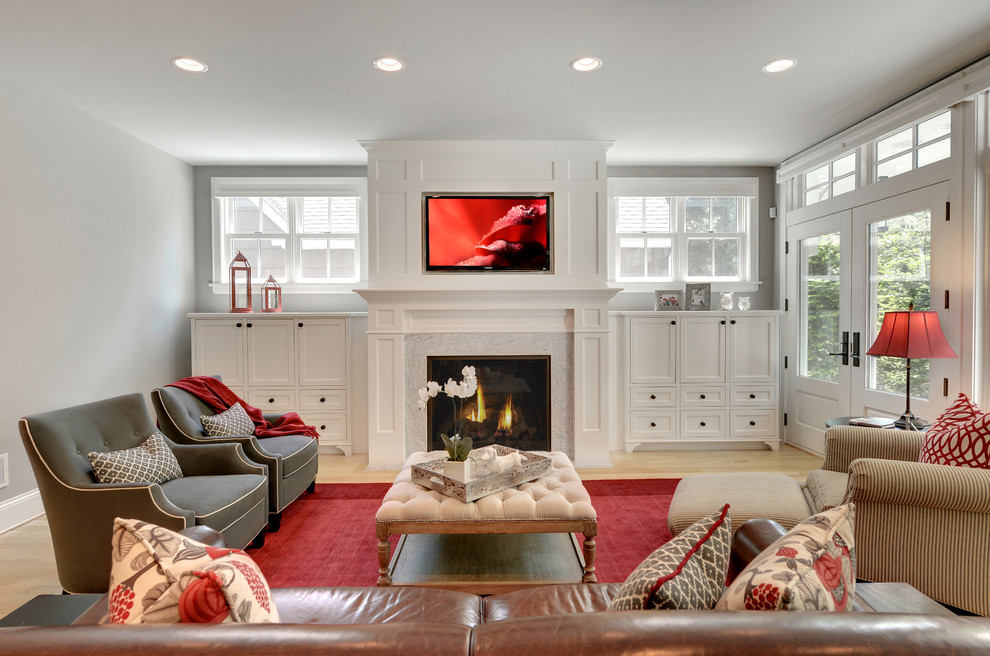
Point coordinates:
[[323, 399], [250, 324], [239, 324], [300, 324], [733, 322], [752, 396], [653, 424], [703, 424], [271, 400], [673, 322], [323, 426], [702, 396], [653, 397], [722, 322], [752, 423]]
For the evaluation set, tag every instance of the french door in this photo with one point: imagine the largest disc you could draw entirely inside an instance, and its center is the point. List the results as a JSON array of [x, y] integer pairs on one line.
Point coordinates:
[[844, 271]]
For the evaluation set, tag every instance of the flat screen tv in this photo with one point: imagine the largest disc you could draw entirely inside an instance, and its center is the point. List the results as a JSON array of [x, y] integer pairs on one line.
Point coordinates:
[[493, 232]]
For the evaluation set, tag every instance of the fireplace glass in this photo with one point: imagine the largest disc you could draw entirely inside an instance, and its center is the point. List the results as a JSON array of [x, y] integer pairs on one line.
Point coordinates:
[[511, 406]]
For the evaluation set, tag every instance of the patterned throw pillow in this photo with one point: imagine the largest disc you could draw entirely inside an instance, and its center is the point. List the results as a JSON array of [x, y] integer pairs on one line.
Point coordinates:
[[158, 576], [151, 462], [960, 437], [232, 421], [686, 573], [813, 567]]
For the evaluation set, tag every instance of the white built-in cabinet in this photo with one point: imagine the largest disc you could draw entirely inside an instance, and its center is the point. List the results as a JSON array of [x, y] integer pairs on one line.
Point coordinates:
[[701, 377], [281, 363]]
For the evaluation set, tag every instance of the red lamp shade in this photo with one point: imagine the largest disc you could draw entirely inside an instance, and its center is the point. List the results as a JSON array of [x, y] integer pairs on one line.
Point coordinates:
[[911, 335]]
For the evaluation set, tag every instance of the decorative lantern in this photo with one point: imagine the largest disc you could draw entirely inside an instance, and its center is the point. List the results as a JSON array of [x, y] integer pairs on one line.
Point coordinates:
[[240, 284], [271, 296]]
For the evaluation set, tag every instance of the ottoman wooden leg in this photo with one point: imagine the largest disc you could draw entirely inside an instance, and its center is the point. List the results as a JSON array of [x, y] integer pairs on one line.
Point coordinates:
[[384, 555], [589, 554]]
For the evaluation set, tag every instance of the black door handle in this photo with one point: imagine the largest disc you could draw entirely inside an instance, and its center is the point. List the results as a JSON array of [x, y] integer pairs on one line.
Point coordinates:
[[855, 349], [845, 348]]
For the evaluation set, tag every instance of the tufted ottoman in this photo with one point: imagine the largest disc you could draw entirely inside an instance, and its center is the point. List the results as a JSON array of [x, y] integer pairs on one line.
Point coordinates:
[[555, 503], [750, 495]]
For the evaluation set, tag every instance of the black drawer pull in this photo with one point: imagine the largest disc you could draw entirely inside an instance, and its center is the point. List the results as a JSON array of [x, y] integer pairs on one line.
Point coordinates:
[[752, 423], [271, 400], [653, 424], [300, 324], [752, 396], [249, 325], [673, 322], [702, 396], [323, 399], [733, 322], [653, 397], [238, 324], [323, 426], [722, 322], [703, 424]]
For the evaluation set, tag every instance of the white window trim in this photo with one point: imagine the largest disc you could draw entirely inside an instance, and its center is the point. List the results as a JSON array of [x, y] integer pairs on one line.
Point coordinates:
[[677, 187], [290, 187]]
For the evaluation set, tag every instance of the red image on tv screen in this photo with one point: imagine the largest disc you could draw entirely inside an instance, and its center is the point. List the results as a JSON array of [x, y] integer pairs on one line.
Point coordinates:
[[478, 232]]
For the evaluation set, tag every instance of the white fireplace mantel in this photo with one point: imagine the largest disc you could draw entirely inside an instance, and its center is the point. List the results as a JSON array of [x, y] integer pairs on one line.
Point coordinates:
[[573, 322]]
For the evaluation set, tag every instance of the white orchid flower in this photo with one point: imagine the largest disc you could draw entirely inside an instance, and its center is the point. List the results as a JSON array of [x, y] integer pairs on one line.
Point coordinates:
[[468, 373], [432, 388], [452, 388], [469, 387]]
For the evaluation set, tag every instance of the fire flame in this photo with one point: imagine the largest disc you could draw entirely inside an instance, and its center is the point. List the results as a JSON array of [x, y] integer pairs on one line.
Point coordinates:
[[479, 415], [505, 421]]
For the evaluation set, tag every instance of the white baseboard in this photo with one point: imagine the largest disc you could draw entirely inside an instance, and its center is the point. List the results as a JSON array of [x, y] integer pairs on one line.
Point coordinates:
[[20, 509]]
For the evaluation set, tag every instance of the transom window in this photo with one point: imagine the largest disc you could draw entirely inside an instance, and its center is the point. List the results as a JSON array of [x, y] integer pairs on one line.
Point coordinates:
[[302, 232], [681, 238], [830, 180], [914, 146]]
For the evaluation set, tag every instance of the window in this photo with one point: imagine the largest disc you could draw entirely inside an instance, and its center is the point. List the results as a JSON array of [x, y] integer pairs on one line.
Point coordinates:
[[830, 180], [700, 231], [307, 233], [914, 146]]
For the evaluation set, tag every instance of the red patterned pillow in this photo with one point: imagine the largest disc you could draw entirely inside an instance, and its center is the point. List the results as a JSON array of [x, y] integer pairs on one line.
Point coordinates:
[[159, 576], [961, 411], [965, 444]]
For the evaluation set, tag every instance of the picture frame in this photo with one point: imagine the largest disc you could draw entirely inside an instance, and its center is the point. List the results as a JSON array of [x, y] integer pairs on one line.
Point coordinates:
[[668, 299], [698, 296]]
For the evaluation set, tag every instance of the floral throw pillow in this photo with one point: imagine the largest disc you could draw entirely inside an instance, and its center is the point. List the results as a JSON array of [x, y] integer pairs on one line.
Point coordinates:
[[960, 437], [150, 462], [813, 567], [687, 573], [158, 576], [232, 421]]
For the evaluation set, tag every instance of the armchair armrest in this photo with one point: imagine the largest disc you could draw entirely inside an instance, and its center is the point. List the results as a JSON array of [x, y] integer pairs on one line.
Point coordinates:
[[843, 444], [212, 459], [919, 484]]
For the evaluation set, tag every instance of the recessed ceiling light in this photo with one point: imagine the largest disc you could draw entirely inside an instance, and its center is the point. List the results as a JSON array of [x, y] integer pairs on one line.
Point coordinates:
[[585, 64], [780, 65], [388, 64], [189, 64]]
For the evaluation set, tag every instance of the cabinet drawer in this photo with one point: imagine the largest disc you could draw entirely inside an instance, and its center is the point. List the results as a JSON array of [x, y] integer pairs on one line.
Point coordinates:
[[652, 397], [272, 400], [702, 396], [332, 427], [757, 395], [753, 423], [703, 423], [322, 399], [645, 424]]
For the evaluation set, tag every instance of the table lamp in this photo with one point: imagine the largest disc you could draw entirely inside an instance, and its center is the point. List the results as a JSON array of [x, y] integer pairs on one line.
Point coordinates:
[[911, 335]]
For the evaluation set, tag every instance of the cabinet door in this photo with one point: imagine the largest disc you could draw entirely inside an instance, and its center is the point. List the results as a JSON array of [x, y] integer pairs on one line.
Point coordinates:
[[322, 351], [702, 349], [652, 350], [271, 353], [753, 349], [218, 348]]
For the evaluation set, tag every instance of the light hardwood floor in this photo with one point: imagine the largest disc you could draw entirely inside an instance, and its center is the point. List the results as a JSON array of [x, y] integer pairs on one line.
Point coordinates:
[[27, 561]]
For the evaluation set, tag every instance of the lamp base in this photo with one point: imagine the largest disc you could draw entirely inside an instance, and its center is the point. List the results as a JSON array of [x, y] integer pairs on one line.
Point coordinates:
[[908, 421]]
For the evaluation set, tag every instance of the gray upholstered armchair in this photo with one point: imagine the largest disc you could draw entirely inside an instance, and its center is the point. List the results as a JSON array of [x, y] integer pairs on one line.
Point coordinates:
[[219, 488], [292, 460]]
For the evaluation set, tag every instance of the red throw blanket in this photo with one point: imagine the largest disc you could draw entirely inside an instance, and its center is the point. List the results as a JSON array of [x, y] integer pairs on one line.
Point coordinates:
[[219, 397]]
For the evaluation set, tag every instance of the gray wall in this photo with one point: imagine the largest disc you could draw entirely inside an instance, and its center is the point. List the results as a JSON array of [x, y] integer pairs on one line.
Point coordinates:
[[766, 298], [206, 300], [98, 236]]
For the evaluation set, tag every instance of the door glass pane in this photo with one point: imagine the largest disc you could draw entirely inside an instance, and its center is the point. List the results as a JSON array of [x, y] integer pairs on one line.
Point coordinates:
[[819, 304], [900, 274]]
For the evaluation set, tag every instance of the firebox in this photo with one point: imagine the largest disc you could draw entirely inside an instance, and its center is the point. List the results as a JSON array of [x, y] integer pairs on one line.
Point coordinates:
[[511, 406]]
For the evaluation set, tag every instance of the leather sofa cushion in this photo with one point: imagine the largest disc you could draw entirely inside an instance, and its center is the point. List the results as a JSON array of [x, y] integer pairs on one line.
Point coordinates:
[[356, 605], [550, 600]]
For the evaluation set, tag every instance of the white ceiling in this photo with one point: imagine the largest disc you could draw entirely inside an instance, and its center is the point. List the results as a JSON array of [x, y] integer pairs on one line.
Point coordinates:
[[291, 81]]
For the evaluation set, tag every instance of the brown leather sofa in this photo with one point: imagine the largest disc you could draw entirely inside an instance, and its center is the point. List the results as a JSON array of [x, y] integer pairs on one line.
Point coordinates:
[[553, 619]]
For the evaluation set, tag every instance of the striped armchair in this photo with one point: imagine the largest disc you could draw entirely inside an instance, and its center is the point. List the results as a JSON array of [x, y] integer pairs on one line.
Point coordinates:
[[923, 524]]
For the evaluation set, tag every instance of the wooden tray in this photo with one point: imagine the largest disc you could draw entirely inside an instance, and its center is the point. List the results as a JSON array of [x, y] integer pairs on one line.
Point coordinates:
[[430, 474]]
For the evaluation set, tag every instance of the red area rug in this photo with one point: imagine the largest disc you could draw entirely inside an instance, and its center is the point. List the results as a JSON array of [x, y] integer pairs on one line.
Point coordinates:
[[328, 537]]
